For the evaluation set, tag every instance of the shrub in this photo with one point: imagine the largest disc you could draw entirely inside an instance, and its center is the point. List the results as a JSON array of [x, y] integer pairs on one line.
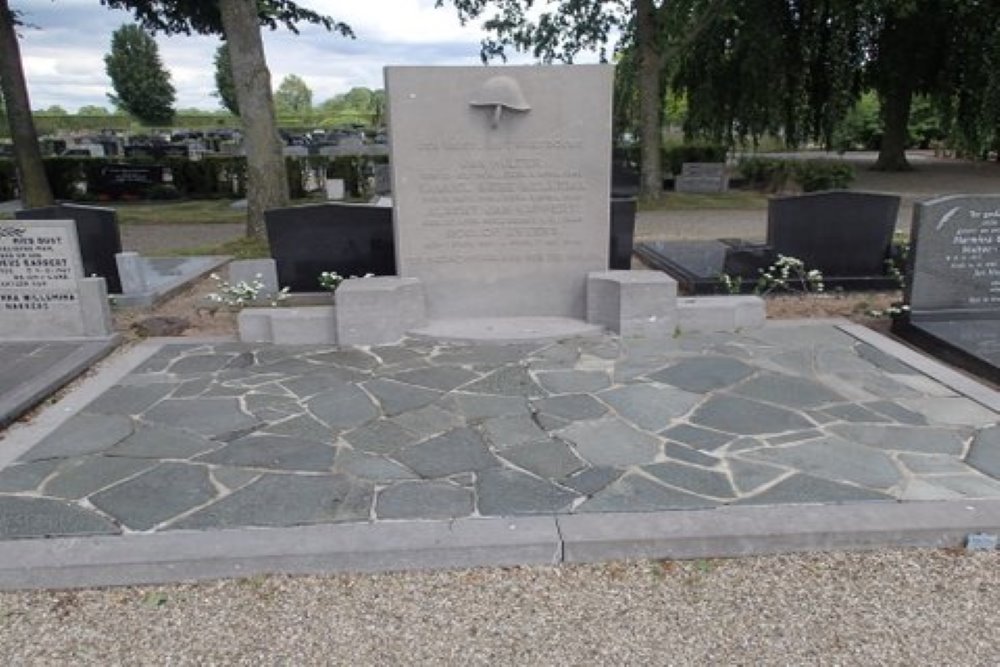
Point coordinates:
[[774, 175], [674, 157]]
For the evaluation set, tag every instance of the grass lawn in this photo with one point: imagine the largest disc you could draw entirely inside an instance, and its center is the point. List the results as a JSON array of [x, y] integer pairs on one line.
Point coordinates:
[[198, 211], [241, 248]]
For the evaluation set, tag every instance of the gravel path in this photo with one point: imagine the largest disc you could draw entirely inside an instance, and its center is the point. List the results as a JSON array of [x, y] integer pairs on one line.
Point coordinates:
[[153, 240], [892, 608]]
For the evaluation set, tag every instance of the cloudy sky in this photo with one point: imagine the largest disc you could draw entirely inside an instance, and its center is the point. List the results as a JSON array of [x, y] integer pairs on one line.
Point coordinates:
[[63, 54]]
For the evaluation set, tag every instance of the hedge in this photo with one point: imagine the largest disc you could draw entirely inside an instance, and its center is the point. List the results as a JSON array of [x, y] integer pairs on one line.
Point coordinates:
[[774, 175]]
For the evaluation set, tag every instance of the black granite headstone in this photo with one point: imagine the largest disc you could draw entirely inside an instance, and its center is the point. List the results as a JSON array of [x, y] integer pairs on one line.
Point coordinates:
[[97, 231], [622, 233], [350, 239], [953, 282], [118, 180], [383, 179], [838, 232]]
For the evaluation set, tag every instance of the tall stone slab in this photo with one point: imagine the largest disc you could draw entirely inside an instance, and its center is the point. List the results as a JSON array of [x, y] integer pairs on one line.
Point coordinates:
[[43, 291], [501, 182]]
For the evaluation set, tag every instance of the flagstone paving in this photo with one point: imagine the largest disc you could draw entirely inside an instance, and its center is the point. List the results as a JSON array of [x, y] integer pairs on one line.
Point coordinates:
[[228, 435]]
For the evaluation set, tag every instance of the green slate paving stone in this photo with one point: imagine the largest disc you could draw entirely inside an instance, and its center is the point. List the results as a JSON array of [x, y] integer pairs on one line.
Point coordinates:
[[789, 391], [192, 388], [233, 478], [343, 409], [397, 397], [442, 378], [834, 459], [157, 495], [573, 382], [903, 438], [274, 452], [611, 442], [689, 478], [699, 438], [742, 416], [591, 480], [796, 436], [511, 430], [743, 444], [545, 458], [677, 452], [303, 426], [984, 454], [574, 407], [458, 450], [286, 500], [81, 434], [209, 417], [704, 374], [372, 467], [348, 357], [506, 381], [484, 355], [634, 493], [852, 412], [26, 476], [82, 477], [314, 383], [129, 400], [199, 364], [804, 489], [271, 408], [159, 361], [380, 437], [886, 362], [476, 407], [840, 361], [562, 356], [424, 500], [506, 492], [22, 517], [748, 476], [934, 464], [397, 354], [897, 412], [968, 486], [550, 423], [427, 421], [648, 406]]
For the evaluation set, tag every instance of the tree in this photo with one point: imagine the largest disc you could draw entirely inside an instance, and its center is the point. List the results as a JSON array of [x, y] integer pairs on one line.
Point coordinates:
[[293, 96], [239, 23], [35, 190], [141, 83], [225, 89], [92, 110]]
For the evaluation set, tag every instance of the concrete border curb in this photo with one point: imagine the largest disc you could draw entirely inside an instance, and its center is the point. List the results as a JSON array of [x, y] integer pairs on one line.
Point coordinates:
[[176, 556]]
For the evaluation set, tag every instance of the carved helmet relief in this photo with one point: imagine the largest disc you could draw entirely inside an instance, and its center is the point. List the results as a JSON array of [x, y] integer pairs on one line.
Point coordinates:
[[498, 93]]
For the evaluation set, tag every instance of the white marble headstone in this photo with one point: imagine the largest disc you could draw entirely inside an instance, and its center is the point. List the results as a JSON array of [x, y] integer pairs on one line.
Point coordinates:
[[501, 185]]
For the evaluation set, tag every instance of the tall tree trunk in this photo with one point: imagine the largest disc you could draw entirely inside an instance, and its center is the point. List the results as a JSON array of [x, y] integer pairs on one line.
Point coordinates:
[[35, 190], [650, 64], [895, 101], [267, 183]]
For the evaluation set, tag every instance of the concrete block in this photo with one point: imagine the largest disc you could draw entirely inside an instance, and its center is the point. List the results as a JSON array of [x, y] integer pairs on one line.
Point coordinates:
[[254, 325], [249, 270], [633, 303], [720, 313], [133, 271], [304, 326], [94, 307], [373, 311]]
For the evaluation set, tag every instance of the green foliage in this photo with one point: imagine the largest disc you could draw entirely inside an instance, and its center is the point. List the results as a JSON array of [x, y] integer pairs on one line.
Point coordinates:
[[8, 180], [293, 96], [774, 175], [225, 88], [861, 127], [141, 83], [358, 105]]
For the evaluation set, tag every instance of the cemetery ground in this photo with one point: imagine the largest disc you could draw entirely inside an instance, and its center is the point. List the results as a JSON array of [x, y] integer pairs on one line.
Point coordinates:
[[893, 606]]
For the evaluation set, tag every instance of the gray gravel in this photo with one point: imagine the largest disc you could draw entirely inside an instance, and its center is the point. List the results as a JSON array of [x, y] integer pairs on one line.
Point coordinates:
[[153, 240], [901, 607]]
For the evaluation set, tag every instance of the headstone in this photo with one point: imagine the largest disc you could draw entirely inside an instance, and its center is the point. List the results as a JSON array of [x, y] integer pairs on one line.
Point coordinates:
[[622, 233], [127, 180], [334, 189], [702, 177], [350, 239], [953, 281], [501, 186], [43, 292], [838, 232], [98, 234], [383, 179]]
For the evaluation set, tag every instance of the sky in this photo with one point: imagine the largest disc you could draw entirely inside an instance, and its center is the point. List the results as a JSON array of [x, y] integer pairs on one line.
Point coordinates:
[[63, 54]]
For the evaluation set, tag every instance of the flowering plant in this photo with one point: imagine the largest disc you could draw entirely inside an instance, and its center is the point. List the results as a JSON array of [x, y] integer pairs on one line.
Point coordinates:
[[330, 280], [789, 273], [243, 293]]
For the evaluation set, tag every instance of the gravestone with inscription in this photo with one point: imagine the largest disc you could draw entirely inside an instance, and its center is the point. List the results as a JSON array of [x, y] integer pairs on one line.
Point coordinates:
[[953, 281], [501, 183], [43, 291]]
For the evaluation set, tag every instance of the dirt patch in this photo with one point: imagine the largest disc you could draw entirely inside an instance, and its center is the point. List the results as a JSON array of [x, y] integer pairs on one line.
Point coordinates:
[[191, 304]]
